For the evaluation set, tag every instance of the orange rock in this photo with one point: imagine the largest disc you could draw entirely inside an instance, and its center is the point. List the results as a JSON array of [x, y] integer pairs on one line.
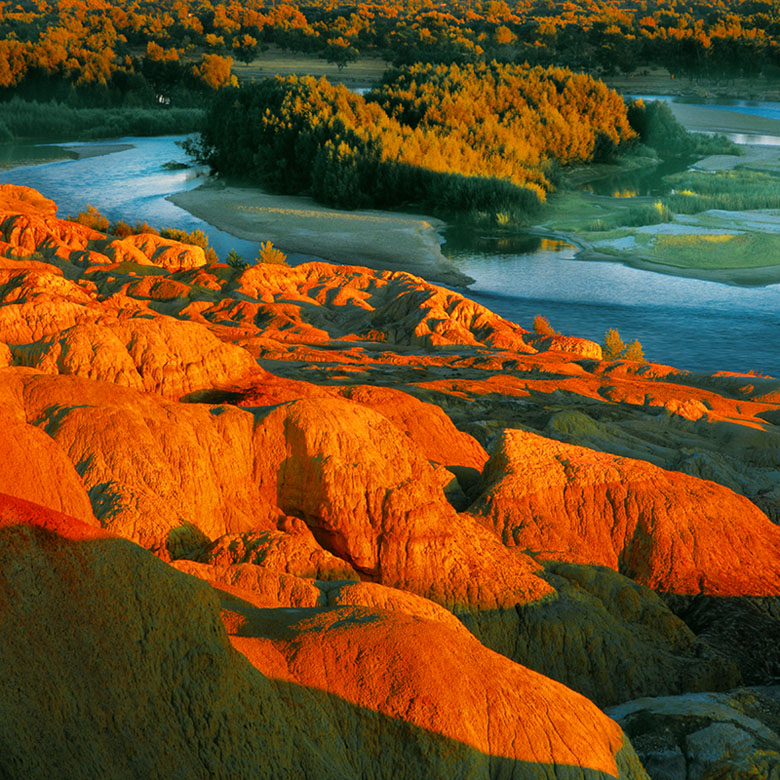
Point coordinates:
[[576, 346], [354, 303], [170, 476], [425, 424], [35, 468], [445, 682], [673, 532], [256, 584], [335, 693], [277, 551], [161, 356], [372, 499], [149, 249]]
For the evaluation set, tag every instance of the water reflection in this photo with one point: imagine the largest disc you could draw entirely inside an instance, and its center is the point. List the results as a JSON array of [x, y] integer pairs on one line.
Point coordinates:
[[647, 180]]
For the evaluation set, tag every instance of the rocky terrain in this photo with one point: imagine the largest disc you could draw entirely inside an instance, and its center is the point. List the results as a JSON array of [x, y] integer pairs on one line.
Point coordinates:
[[327, 522]]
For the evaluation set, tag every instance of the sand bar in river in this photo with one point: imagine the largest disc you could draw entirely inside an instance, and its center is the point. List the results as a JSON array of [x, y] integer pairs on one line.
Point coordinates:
[[377, 239]]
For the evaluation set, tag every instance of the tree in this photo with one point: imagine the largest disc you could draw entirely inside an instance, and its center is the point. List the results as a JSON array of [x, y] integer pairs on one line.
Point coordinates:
[[214, 71], [270, 255], [614, 346], [245, 48], [340, 52], [235, 260], [616, 349]]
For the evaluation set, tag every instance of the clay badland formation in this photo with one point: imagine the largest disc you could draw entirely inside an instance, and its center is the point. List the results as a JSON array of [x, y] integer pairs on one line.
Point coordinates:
[[331, 522]]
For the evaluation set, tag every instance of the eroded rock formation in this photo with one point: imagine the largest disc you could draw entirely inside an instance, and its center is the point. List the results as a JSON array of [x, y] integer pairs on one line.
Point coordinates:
[[312, 444]]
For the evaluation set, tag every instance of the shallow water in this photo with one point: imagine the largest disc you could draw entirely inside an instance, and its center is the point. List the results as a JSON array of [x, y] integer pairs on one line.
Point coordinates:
[[693, 324], [130, 185], [765, 108], [704, 326]]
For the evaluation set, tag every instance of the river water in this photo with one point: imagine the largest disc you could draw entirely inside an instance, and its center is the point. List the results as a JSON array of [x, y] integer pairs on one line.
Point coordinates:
[[698, 325]]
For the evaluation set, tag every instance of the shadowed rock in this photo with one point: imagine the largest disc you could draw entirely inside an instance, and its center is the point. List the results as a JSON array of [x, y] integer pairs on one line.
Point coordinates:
[[335, 693]]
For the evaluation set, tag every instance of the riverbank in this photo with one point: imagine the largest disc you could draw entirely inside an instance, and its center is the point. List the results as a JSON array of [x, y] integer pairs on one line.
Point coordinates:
[[15, 155], [376, 239], [658, 81]]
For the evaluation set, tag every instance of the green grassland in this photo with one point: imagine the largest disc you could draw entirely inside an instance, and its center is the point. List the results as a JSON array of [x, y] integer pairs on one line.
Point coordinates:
[[711, 221], [364, 72], [24, 120]]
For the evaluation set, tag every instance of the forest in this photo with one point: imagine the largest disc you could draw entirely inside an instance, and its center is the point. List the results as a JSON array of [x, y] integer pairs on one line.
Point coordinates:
[[171, 52], [484, 137]]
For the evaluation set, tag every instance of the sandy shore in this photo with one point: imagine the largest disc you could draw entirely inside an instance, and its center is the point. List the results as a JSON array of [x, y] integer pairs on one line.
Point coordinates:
[[17, 155], [718, 120], [377, 239], [97, 150]]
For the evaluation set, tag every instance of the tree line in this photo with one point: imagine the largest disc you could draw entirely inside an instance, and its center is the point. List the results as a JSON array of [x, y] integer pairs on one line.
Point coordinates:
[[146, 51]]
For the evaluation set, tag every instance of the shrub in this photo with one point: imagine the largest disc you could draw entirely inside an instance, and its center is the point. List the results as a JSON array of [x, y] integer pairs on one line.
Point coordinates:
[[92, 218], [270, 255], [616, 349], [54, 121], [657, 128], [543, 327], [121, 229], [634, 352], [196, 238], [235, 260]]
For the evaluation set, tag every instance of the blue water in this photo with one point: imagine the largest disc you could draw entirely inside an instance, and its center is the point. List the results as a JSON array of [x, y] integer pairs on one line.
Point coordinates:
[[693, 324], [765, 108], [701, 326], [130, 185]]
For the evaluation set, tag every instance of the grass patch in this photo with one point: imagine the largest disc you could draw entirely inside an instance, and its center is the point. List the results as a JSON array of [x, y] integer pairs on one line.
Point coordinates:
[[746, 250], [734, 190], [281, 62], [24, 120]]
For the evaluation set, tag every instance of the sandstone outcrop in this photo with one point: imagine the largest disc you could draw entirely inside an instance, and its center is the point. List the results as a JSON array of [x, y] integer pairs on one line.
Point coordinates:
[[673, 532], [419, 705], [295, 553], [605, 636], [311, 443], [35, 468], [495, 714], [161, 356]]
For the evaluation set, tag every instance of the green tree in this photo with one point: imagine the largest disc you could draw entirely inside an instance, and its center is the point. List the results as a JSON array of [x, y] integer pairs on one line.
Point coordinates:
[[235, 260], [340, 52], [269, 254]]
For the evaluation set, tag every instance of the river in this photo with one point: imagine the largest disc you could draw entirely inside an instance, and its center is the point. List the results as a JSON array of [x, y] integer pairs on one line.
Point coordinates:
[[692, 324]]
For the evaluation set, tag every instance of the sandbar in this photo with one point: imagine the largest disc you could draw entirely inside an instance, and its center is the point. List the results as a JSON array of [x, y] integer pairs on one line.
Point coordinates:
[[23, 154], [381, 240], [720, 120], [85, 151]]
